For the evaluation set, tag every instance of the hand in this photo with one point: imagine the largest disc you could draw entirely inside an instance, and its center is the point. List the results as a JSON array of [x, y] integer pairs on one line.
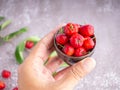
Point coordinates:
[[34, 75]]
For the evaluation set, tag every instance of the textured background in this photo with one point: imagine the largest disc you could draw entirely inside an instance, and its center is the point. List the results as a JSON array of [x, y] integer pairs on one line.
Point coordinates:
[[41, 16]]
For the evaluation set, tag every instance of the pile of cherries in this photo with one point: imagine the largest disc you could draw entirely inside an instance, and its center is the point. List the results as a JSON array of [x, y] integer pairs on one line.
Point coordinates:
[[75, 40]]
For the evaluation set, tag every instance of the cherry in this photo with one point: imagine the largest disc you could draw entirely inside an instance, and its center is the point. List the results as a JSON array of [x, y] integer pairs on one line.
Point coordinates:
[[29, 44], [70, 29], [76, 40], [88, 44], [6, 74], [86, 30], [68, 50], [80, 52], [61, 39], [2, 85], [16, 88]]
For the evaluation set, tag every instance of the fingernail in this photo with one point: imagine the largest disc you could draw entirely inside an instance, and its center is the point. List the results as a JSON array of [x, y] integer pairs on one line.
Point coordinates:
[[88, 64]]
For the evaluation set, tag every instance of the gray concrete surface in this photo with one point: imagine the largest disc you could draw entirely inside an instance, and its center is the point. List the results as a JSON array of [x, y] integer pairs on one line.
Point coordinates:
[[41, 16]]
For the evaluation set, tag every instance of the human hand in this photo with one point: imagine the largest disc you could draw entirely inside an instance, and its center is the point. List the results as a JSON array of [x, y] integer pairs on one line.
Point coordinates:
[[34, 75]]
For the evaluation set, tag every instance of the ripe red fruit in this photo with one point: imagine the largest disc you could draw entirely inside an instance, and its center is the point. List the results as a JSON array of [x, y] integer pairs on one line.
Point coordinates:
[[80, 52], [61, 39], [6, 74], [86, 30], [2, 85], [29, 44], [68, 49], [76, 40], [16, 88], [88, 43], [70, 29], [78, 25]]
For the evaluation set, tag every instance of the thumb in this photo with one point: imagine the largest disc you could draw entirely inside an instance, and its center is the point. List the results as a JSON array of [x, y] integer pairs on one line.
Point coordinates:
[[77, 72]]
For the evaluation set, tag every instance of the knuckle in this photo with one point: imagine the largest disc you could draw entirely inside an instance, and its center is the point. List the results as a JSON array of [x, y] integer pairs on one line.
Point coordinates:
[[77, 72]]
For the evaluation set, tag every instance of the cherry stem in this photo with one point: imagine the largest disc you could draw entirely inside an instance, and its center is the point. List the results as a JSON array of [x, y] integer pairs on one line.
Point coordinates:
[[93, 37], [60, 45], [71, 26], [61, 30]]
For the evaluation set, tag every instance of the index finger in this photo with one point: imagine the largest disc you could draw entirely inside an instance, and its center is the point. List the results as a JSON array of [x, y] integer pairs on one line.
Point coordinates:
[[45, 46]]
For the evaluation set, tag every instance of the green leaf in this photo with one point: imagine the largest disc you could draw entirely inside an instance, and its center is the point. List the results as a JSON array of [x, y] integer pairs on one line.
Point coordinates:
[[5, 24], [53, 54], [1, 18], [21, 47], [19, 52], [64, 65], [14, 34]]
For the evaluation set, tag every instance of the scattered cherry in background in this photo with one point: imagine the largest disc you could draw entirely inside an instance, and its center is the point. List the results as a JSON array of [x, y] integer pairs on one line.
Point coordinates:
[[6, 74], [16, 88], [2, 85], [29, 44]]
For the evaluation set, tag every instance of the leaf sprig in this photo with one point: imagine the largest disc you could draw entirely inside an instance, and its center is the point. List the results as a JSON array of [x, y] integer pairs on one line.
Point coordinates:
[[5, 24], [11, 35], [2, 18], [14, 34]]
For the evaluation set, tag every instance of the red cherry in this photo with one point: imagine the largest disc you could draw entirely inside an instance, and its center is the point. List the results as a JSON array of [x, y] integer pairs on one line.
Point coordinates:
[[68, 49], [80, 52], [29, 44], [70, 29], [78, 25], [76, 40], [16, 88], [6, 74], [86, 30], [2, 85], [88, 43], [61, 39]]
